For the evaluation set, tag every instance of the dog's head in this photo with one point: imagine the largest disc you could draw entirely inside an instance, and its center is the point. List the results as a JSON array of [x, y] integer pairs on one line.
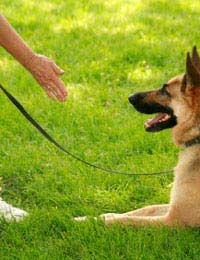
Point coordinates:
[[177, 102]]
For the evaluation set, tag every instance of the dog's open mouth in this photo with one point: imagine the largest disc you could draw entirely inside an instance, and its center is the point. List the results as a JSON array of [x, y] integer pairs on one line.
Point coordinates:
[[160, 122], [165, 119]]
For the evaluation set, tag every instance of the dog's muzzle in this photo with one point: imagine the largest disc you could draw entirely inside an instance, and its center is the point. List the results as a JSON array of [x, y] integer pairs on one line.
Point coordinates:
[[139, 103], [164, 120]]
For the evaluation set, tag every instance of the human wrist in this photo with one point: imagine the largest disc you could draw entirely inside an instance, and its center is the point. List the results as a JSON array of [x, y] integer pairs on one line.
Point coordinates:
[[28, 58]]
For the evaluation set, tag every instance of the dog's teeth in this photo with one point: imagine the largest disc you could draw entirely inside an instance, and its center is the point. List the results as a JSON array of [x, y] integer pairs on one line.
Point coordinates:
[[164, 119]]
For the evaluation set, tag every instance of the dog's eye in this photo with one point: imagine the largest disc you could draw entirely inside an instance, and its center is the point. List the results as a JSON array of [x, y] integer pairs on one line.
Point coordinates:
[[163, 91]]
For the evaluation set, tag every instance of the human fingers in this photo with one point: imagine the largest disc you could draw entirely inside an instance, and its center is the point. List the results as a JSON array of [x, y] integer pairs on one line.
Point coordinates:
[[60, 87], [56, 91], [56, 69], [49, 92]]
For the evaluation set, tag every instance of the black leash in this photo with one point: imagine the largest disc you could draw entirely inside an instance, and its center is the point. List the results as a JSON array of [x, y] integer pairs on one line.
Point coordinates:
[[52, 140]]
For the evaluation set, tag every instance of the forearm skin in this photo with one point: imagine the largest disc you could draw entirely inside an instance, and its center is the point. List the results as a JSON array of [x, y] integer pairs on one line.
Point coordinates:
[[14, 44]]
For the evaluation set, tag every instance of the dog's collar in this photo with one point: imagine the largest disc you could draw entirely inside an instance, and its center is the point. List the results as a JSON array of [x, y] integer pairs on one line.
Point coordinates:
[[195, 140]]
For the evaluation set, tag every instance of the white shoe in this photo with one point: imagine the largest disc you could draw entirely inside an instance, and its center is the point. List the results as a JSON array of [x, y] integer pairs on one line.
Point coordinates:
[[9, 213]]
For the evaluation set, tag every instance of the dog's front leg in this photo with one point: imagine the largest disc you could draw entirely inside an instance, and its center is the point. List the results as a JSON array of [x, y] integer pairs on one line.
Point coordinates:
[[152, 210], [137, 220], [148, 211]]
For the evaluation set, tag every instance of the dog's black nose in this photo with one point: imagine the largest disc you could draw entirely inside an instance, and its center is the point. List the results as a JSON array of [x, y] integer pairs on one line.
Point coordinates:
[[131, 98], [136, 98]]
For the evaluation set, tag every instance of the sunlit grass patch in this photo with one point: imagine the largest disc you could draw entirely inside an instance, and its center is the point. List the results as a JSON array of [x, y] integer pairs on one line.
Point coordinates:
[[109, 49]]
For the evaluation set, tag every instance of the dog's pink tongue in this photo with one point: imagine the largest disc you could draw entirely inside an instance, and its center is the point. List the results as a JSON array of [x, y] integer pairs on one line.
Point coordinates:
[[155, 120]]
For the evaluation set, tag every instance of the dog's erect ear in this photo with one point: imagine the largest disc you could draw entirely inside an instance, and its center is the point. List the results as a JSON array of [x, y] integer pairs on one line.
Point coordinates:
[[192, 74], [195, 58]]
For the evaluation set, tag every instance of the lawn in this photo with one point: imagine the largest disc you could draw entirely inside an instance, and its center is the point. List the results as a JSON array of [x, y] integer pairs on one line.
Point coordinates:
[[108, 49]]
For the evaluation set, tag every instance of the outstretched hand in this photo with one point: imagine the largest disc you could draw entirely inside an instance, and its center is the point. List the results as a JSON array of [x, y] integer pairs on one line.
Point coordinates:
[[46, 72]]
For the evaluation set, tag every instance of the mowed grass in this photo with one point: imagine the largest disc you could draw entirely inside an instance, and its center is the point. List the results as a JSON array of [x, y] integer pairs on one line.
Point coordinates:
[[108, 50]]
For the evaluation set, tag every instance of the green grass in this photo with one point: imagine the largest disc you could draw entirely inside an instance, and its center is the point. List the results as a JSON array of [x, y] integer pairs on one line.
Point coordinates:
[[108, 49]]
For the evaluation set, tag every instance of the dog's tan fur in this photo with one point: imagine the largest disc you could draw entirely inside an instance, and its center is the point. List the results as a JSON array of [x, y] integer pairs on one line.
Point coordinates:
[[184, 206]]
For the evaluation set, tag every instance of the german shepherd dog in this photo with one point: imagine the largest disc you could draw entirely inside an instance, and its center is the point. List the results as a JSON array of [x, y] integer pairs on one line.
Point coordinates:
[[178, 105]]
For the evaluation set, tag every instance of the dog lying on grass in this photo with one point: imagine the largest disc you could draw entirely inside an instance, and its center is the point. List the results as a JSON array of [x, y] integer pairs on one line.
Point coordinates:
[[178, 105]]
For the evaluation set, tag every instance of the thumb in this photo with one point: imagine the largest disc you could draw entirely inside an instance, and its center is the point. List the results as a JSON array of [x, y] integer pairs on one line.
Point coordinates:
[[57, 70]]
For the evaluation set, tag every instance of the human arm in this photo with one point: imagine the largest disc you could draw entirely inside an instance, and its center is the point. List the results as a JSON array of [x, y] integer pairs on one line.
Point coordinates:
[[43, 69]]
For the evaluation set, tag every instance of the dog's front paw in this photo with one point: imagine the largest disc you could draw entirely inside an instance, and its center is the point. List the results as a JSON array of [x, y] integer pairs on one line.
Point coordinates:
[[9, 213], [107, 215], [110, 218], [79, 219]]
